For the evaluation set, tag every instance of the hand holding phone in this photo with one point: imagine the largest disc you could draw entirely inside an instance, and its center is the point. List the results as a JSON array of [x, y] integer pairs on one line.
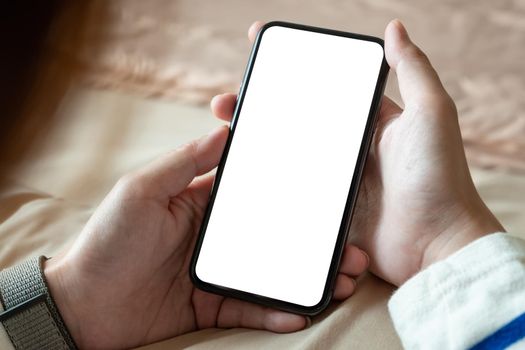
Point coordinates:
[[135, 249], [285, 189]]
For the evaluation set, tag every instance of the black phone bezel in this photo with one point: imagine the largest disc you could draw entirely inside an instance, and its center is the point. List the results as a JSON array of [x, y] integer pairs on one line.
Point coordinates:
[[352, 195]]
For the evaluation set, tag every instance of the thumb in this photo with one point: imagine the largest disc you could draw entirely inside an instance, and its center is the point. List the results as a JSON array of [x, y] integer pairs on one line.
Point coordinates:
[[170, 174], [419, 83]]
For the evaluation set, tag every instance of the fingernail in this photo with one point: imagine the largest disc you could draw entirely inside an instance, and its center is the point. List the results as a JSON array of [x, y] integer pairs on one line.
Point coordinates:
[[213, 99], [308, 322], [216, 130], [211, 134]]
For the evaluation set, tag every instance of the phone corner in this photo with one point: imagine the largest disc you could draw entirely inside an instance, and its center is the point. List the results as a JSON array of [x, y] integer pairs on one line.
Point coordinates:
[[379, 45], [316, 309], [194, 278], [275, 23], [269, 25], [379, 41]]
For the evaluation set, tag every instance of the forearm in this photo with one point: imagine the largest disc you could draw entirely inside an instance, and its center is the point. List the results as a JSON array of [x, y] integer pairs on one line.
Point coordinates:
[[461, 301]]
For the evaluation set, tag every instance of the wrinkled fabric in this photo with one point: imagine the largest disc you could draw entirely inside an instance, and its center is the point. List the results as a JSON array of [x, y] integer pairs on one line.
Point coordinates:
[[189, 50]]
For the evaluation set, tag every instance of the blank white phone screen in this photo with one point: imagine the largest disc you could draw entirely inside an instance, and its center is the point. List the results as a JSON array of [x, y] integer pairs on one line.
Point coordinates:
[[279, 205]]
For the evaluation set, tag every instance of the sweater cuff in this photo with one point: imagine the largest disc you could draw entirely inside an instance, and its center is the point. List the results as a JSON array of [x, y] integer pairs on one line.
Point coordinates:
[[5, 342], [458, 301]]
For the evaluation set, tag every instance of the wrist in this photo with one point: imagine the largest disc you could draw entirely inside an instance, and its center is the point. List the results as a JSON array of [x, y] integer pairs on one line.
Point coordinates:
[[471, 223], [31, 317], [59, 293]]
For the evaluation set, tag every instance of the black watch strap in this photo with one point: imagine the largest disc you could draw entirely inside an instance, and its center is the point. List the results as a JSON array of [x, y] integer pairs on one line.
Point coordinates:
[[31, 318]]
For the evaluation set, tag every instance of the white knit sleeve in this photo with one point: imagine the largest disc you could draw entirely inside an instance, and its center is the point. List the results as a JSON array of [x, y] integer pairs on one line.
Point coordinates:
[[473, 299]]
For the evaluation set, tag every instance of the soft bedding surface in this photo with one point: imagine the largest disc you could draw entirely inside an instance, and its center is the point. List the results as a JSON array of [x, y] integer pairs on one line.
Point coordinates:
[[98, 135], [125, 81], [192, 49]]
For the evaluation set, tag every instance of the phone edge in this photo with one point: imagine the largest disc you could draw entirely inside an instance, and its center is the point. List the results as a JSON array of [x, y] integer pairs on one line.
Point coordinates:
[[351, 198]]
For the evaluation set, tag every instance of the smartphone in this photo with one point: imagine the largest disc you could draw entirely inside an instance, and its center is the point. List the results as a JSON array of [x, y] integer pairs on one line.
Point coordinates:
[[281, 205]]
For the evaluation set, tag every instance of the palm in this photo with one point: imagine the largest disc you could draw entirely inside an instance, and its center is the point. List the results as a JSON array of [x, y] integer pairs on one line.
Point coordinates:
[[160, 300], [179, 306], [402, 190]]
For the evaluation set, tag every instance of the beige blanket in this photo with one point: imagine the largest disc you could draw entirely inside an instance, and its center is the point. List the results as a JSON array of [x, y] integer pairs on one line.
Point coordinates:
[[98, 135], [192, 49], [76, 141]]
